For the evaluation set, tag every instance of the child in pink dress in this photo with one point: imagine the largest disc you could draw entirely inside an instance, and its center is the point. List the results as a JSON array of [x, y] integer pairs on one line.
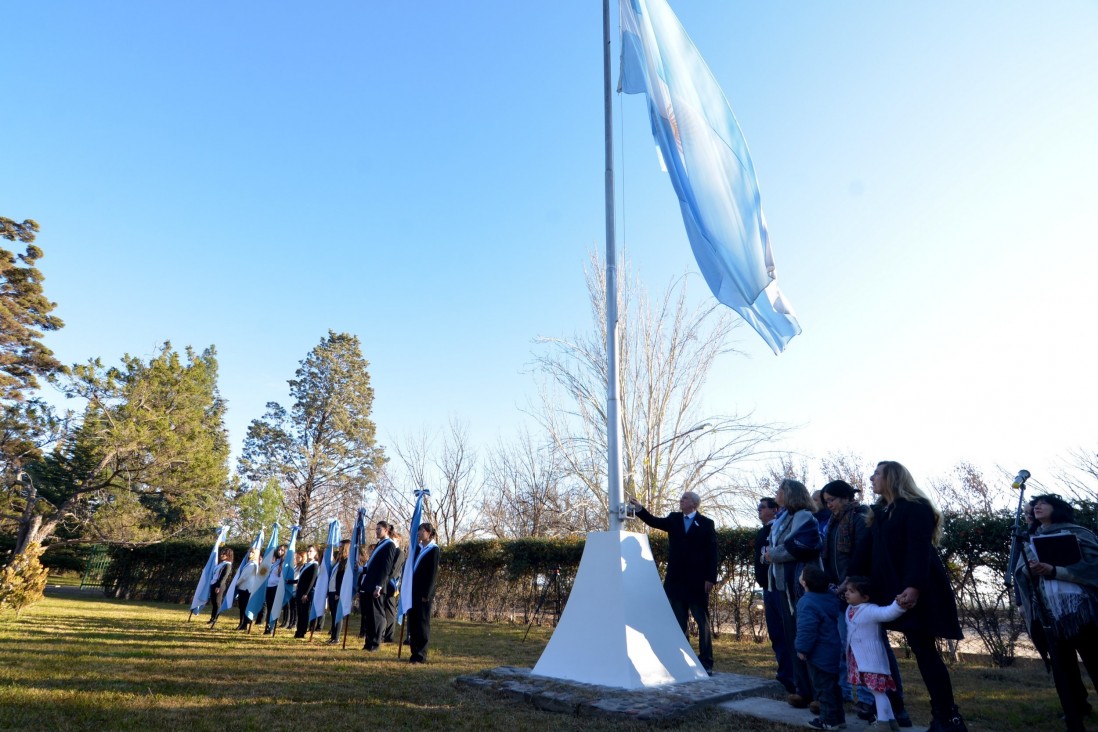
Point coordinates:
[[866, 659]]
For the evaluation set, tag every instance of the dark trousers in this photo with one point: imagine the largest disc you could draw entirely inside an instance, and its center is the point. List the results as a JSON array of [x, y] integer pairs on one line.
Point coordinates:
[[826, 685], [373, 614], [242, 597], [215, 602], [271, 601], [390, 618], [419, 630], [935, 675], [364, 599], [303, 606], [696, 604], [801, 680], [333, 608], [1069, 680], [776, 631]]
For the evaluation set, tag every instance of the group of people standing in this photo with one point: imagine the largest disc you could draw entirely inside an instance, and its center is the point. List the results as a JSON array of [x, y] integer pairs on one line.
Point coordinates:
[[379, 568], [836, 576]]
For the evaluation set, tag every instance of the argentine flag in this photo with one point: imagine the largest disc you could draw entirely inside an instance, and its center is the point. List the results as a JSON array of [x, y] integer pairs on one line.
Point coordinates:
[[348, 589], [283, 594], [259, 585], [406, 595], [324, 571], [706, 157], [202, 592], [231, 594]]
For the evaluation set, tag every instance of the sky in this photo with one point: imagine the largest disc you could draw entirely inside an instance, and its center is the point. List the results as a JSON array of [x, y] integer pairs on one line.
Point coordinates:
[[429, 177]]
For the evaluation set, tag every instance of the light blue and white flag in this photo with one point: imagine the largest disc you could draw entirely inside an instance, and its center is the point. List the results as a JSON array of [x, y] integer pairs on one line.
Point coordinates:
[[202, 592], [227, 602], [324, 571], [409, 565], [706, 157], [259, 583], [284, 593], [348, 589]]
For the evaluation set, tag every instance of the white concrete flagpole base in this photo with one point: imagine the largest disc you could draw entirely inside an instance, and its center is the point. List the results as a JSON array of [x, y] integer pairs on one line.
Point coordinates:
[[617, 629]]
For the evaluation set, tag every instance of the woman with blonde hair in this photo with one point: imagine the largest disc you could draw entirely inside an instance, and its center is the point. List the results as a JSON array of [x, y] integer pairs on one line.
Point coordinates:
[[903, 564], [794, 541]]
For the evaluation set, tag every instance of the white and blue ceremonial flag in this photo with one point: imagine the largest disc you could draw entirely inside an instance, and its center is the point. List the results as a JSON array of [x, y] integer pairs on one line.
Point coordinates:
[[230, 596], [324, 571], [347, 590], [285, 590], [202, 592], [710, 168], [259, 583], [409, 563]]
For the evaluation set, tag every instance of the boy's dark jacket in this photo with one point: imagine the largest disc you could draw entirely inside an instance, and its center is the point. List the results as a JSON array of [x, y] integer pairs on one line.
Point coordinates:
[[818, 629]]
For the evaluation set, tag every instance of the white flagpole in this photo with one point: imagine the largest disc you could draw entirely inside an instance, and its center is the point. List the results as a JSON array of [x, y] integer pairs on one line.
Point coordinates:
[[615, 495]]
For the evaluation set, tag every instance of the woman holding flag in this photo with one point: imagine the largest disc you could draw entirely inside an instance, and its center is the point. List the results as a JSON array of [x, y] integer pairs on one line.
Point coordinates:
[[424, 575], [243, 586], [335, 584], [306, 585], [219, 583]]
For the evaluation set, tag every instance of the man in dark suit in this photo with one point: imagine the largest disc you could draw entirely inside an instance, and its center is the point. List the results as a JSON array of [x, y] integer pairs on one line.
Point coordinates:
[[424, 576], [691, 566], [768, 511], [372, 584]]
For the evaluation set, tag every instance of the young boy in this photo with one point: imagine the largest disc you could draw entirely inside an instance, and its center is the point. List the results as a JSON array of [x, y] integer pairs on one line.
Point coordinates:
[[817, 643]]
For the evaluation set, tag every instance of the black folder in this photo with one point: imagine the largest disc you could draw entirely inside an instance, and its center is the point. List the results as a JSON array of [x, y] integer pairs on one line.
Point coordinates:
[[1059, 550]]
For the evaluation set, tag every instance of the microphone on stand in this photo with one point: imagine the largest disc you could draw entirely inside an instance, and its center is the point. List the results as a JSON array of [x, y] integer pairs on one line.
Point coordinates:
[[1020, 479]]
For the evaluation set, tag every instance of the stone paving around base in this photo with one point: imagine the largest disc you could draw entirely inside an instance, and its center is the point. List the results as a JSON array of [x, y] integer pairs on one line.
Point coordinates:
[[734, 693], [776, 710], [655, 703]]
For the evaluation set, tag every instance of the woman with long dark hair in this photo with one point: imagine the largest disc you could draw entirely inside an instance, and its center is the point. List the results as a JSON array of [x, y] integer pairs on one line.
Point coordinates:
[[901, 559], [1060, 601]]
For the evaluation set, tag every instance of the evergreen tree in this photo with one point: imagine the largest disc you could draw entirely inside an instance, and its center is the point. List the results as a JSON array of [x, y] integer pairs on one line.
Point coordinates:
[[147, 460], [323, 450], [26, 424]]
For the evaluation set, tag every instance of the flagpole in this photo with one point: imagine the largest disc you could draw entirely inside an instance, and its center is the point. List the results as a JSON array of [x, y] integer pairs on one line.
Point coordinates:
[[614, 491]]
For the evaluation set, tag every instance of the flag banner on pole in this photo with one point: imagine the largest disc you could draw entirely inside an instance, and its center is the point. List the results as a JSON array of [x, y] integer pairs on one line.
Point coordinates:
[[347, 590], [324, 571], [284, 593], [258, 597], [230, 596], [202, 592], [706, 157], [409, 561]]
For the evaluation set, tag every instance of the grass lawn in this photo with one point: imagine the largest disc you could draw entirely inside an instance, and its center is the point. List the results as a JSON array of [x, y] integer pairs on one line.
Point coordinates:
[[82, 662]]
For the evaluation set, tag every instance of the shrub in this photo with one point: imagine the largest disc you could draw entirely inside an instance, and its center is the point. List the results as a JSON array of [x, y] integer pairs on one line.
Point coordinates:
[[23, 581]]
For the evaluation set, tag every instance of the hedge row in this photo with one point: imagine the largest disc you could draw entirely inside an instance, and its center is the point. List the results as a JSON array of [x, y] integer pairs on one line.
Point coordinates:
[[488, 580]]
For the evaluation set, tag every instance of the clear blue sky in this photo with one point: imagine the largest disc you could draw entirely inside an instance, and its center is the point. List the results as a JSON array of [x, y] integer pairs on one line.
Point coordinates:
[[429, 177]]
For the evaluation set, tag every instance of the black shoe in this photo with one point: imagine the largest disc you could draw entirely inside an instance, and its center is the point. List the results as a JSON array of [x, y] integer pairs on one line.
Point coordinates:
[[868, 712]]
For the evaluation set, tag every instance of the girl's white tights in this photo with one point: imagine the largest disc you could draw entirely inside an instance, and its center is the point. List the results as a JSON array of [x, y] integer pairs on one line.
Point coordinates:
[[884, 706]]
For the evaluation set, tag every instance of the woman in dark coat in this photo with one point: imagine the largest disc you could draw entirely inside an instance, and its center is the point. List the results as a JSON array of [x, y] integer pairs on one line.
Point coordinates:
[[794, 541], [901, 559], [1061, 603], [424, 576], [306, 586], [220, 583]]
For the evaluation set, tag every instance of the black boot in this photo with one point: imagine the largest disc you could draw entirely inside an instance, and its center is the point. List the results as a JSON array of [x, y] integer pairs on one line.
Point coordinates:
[[950, 722]]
